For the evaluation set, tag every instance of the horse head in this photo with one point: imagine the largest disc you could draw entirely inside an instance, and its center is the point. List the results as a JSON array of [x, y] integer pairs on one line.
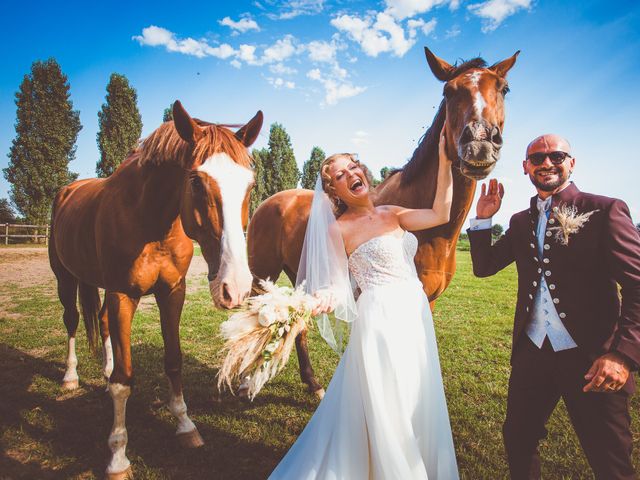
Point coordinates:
[[474, 96], [215, 204]]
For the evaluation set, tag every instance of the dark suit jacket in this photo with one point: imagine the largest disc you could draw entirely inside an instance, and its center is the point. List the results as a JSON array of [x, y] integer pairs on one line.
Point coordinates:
[[582, 276]]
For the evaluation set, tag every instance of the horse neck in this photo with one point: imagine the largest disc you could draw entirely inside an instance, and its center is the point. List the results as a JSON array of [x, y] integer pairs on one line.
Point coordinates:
[[415, 185], [161, 195]]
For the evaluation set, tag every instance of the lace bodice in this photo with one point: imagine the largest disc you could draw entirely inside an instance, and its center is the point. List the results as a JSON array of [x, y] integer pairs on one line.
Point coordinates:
[[384, 259]]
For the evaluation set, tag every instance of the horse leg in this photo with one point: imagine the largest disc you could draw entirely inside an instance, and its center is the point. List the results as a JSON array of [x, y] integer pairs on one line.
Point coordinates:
[[170, 306], [306, 370], [307, 375], [120, 310], [107, 350], [68, 294]]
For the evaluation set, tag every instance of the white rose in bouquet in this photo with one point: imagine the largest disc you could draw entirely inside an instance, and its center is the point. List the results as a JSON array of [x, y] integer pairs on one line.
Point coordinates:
[[267, 315]]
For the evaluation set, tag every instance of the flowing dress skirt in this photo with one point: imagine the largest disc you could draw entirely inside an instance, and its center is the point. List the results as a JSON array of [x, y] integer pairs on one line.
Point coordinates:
[[384, 415]]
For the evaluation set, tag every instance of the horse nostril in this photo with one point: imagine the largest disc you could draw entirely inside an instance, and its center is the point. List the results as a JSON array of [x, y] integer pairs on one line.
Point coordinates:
[[467, 135], [225, 293], [496, 137]]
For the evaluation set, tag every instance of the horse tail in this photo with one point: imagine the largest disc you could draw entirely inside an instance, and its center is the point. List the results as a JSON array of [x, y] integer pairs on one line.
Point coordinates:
[[90, 306]]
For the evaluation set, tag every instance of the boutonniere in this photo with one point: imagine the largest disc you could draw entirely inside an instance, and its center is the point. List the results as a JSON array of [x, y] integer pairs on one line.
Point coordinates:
[[570, 221]]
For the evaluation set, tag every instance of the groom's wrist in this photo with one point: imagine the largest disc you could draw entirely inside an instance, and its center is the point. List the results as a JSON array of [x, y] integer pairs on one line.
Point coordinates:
[[480, 223]]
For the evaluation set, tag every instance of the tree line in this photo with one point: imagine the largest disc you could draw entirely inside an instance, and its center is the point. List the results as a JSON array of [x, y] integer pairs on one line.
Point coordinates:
[[47, 128]]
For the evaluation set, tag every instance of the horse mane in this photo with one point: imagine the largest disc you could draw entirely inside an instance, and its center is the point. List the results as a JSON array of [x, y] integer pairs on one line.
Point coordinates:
[[164, 145], [428, 146]]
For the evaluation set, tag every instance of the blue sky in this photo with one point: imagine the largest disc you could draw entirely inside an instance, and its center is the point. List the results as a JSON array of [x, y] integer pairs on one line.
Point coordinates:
[[349, 75]]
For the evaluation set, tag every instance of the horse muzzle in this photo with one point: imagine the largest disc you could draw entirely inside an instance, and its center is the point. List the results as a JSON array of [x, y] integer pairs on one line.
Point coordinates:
[[229, 290], [479, 149]]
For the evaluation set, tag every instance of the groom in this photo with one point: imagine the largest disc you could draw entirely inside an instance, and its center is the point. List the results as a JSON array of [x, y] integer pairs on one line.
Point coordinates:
[[573, 338]]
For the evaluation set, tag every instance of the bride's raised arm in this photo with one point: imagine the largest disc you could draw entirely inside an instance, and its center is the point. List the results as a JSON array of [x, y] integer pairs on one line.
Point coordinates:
[[423, 218]]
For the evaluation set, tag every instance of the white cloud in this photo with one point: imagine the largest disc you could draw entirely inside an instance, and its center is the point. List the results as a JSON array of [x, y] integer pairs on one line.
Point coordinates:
[[282, 69], [236, 63], [335, 83], [375, 35], [494, 12], [247, 53], [281, 83], [154, 36], [322, 51], [279, 51], [402, 9], [360, 138], [243, 25], [454, 31], [289, 9], [425, 27]]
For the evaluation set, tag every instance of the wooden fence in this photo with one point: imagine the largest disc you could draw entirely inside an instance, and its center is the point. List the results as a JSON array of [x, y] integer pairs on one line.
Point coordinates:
[[21, 232]]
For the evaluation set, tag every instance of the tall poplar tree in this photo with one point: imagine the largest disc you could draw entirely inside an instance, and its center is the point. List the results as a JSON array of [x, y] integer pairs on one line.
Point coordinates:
[[47, 127], [259, 192], [281, 168], [167, 116], [311, 168], [120, 125]]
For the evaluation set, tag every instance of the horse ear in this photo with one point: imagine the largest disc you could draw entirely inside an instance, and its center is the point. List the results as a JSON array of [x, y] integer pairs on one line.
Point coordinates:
[[441, 69], [248, 134], [187, 128], [501, 68]]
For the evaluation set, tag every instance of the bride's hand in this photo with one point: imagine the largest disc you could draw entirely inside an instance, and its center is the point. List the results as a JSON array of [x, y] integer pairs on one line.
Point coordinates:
[[442, 148], [325, 302]]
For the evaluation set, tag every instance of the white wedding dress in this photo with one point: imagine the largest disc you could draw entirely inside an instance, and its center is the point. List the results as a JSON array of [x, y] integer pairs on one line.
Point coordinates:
[[384, 415]]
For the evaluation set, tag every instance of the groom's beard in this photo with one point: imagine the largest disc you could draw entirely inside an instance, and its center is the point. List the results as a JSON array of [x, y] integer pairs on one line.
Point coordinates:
[[562, 177]]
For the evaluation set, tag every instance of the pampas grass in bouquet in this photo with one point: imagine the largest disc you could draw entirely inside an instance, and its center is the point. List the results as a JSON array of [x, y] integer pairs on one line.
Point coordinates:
[[259, 338]]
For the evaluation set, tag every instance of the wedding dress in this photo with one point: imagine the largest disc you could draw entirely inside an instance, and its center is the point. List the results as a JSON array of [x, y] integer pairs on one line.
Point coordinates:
[[384, 414]]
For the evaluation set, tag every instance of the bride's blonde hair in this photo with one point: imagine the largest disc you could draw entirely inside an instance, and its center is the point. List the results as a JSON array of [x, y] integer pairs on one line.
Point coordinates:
[[339, 207]]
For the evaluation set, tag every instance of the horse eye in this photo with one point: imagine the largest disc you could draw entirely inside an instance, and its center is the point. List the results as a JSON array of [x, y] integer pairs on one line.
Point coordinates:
[[505, 90], [197, 185]]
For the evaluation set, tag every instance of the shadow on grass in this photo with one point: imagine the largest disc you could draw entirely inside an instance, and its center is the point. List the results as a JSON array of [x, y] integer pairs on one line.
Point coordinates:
[[47, 433]]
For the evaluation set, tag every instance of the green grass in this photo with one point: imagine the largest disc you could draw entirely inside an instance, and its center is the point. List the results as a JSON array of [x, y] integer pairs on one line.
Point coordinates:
[[50, 434]]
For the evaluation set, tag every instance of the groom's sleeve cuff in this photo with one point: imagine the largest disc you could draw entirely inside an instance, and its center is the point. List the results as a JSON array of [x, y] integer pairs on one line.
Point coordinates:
[[479, 223]]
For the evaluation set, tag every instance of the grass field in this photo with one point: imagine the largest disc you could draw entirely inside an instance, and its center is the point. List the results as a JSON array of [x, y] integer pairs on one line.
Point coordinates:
[[50, 434]]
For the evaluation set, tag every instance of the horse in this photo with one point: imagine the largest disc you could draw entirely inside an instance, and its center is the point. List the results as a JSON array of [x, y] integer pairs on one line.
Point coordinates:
[[472, 112], [132, 234]]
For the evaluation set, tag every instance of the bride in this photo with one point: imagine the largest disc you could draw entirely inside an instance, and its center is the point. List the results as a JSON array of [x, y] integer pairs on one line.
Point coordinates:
[[384, 415]]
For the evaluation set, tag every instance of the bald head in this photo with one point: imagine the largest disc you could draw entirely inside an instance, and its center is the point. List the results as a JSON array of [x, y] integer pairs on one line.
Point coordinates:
[[549, 142]]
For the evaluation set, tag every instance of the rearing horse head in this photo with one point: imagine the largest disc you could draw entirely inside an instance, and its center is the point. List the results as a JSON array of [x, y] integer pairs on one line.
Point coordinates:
[[215, 203], [474, 96]]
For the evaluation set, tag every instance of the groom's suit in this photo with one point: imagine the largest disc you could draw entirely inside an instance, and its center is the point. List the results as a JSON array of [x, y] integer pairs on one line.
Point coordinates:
[[582, 279]]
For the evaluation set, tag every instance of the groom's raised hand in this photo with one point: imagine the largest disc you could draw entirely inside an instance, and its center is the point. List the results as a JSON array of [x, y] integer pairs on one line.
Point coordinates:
[[490, 200]]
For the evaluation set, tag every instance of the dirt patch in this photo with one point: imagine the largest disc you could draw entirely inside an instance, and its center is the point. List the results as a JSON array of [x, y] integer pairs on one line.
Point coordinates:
[[27, 267]]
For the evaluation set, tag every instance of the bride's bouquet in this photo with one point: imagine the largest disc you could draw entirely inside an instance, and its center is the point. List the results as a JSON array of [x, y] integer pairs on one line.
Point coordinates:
[[259, 338]]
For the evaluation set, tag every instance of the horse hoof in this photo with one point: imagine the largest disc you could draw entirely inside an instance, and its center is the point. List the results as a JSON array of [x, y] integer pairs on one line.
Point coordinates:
[[190, 439], [70, 384], [319, 393], [124, 475], [243, 392]]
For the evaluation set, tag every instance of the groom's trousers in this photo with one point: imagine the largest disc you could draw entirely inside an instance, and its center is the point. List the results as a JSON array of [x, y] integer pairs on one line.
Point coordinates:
[[539, 378]]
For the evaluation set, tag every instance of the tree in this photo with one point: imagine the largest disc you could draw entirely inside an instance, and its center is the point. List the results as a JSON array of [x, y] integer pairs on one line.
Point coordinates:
[[497, 231], [46, 131], [311, 168], [258, 194], [6, 212], [120, 125], [281, 170], [384, 171], [167, 116]]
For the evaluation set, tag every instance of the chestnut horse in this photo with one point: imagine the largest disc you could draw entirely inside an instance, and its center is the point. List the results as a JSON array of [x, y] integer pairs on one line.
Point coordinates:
[[131, 234], [473, 112]]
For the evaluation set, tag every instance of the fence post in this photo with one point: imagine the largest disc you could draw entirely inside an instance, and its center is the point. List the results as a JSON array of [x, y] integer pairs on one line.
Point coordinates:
[[46, 239], [6, 232]]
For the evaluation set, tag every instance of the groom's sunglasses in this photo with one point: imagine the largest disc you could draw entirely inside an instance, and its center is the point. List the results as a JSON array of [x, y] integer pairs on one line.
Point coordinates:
[[556, 158]]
